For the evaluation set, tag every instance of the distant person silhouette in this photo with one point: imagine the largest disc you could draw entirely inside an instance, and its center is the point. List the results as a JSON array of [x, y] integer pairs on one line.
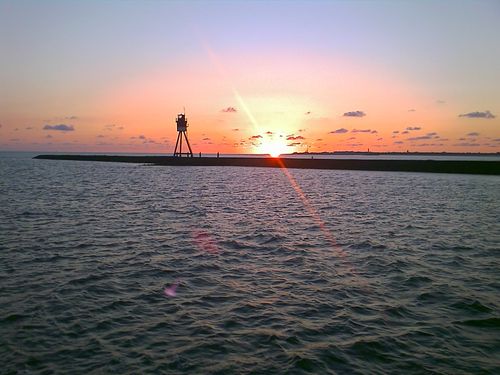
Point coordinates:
[[217, 154], [200, 154]]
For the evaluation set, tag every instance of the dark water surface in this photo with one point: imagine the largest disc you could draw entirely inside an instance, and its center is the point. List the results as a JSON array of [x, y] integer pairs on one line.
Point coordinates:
[[306, 271]]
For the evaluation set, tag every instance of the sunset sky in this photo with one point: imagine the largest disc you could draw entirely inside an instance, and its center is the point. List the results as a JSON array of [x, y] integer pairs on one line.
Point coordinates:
[[253, 76]]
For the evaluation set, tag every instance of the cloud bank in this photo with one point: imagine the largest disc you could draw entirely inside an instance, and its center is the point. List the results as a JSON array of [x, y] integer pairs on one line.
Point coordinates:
[[293, 138], [485, 114], [420, 138], [361, 131], [60, 127], [364, 131], [355, 114], [432, 135], [339, 131]]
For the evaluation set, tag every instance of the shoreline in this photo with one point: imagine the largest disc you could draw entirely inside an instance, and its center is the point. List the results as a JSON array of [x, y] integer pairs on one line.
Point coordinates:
[[427, 166]]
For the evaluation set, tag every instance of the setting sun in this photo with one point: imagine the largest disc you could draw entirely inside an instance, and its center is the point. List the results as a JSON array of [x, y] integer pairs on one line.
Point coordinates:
[[273, 146]]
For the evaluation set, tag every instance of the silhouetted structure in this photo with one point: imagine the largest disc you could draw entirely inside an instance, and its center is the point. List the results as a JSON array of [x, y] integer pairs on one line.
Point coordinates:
[[182, 125]]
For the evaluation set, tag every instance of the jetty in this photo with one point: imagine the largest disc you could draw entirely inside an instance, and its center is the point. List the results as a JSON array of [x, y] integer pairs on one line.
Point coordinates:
[[428, 166]]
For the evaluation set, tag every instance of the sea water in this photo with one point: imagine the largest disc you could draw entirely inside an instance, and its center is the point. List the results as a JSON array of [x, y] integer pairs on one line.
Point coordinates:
[[274, 271]]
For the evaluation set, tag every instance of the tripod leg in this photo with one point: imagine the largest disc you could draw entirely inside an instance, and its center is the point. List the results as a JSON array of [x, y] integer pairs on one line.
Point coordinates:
[[176, 144], [180, 148], [189, 146]]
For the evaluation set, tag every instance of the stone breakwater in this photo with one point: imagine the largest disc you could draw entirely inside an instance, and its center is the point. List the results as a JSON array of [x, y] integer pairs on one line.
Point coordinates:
[[430, 166]]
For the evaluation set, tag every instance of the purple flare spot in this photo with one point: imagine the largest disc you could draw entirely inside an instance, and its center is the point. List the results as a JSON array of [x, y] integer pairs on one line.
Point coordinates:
[[171, 290]]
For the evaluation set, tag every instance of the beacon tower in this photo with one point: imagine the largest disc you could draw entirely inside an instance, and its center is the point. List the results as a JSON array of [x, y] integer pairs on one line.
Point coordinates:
[[182, 125]]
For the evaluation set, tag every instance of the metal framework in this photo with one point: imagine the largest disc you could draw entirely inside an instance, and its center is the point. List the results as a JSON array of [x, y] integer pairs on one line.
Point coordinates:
[[182, 125]]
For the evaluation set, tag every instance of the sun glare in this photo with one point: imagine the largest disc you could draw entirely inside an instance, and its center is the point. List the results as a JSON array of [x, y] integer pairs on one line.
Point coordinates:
[[273, 147]]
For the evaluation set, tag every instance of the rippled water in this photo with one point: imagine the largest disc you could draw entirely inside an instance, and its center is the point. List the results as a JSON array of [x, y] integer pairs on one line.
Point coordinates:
[[279, 272]]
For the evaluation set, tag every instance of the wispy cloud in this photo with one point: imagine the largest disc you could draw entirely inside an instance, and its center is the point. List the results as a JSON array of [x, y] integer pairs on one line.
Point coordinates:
[[145, 140], [473, 134], [339, 131], [485, 114], [111, 127], [60, 127], [467, 144], [419, 138], [354, 144], [427, 136], [139, 137], [354, 114], [229, 110], [361, 131], [429, 144], [294, 138], [413, 128], [255, 137]]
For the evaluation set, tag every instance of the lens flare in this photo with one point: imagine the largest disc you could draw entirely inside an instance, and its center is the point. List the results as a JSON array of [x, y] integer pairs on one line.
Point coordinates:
[[205, 242], [275, 147], [171, 291]]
